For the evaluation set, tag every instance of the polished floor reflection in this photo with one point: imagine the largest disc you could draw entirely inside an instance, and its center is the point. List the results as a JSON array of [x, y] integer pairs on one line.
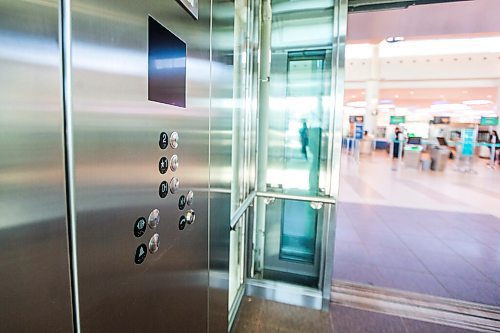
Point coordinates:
[[435, 233]]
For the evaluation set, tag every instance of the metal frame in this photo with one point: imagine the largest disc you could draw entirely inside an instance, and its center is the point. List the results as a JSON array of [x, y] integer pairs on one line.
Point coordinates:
[[192, 9], [66, 71]]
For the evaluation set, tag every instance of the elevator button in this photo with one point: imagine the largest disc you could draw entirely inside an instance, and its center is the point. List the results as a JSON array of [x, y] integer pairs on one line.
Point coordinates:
[[174, 140], [189, 198], [140, 254], [163, 140], [190, 216], [174, 162], [154, 243], [182, 222], [174, 184], [140, 227], [163, 165], [182, 202], [154, 219], [163, 189]]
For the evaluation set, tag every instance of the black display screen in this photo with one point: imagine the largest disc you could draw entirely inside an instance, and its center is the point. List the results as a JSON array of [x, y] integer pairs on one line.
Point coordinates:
[[166, 66]]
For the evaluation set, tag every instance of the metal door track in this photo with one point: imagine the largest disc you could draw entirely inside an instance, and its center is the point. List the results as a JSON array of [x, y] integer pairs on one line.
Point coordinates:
[[438, 310]]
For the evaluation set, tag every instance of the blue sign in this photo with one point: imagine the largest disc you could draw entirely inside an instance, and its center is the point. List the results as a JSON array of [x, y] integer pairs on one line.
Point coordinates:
[[469, 137], [359, 132]]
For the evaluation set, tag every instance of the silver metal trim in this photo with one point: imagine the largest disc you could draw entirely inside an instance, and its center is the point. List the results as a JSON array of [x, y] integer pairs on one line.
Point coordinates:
[[335, 145], [233, 311], [324, 200], [433, 309], [66, 59], [285, 293], [241, 210]]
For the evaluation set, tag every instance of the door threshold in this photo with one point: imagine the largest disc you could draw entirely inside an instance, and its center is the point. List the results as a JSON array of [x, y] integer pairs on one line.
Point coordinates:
[[432, 309]]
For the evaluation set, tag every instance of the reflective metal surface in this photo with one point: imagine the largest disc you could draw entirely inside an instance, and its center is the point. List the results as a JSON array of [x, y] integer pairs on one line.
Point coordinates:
[[35, 293], [117, 146], [221, 117]]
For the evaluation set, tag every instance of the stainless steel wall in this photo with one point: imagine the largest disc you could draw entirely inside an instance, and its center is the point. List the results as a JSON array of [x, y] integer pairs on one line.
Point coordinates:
[[116, 133], [35, 293], [221, 133]]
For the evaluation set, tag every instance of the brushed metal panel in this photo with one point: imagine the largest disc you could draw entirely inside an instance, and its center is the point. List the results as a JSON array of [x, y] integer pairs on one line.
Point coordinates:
[[34, 271], [221, 133], [116, 134]]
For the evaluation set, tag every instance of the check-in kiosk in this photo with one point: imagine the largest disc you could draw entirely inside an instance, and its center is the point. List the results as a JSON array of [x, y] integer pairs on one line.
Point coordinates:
[[413, 152]]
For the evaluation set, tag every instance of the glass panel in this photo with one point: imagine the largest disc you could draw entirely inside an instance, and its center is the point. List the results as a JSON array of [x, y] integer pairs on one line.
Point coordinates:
[[292, 245], [295, 133]]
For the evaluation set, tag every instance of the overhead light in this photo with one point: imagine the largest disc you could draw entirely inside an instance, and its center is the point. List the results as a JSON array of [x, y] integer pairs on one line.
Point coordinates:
[[394, 39], [477, 102], [357, 104]]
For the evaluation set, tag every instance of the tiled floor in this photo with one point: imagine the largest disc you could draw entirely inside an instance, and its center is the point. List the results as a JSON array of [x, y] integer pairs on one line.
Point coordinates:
[[257, 315], [420, 231]]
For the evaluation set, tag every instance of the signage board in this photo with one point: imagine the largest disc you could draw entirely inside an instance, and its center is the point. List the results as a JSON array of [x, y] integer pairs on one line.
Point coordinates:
[[468, 140], [489, 121], [396, 120], [358, 133]]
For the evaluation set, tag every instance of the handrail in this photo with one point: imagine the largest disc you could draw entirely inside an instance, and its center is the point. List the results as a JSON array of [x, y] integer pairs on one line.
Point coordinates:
[[239, 212], [325, 200]]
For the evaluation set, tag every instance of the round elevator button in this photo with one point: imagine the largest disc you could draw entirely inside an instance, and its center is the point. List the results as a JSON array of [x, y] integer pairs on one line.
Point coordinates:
[[174, 140], [163, 189], [189, 198], [140, 254], [174, 184], [163, 165], [140, 227], [190, 216], [154, 243], [174, 162], [182, 222], [163, 143], [154, 219]]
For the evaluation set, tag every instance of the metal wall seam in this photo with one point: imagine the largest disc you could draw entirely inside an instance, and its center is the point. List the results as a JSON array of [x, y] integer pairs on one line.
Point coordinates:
[[65, 37]]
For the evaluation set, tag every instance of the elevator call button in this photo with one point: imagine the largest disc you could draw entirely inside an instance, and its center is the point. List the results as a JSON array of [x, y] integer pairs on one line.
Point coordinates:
[[163, 165], [189, 198], [163, 189], [174, 140], [174, 185], [163, 140], [140, 254], [154, 243], [174, 162], [154, 219], [190, 216], [140, 227]]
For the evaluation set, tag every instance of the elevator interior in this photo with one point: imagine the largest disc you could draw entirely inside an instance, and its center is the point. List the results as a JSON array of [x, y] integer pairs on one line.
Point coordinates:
[[160, 159]]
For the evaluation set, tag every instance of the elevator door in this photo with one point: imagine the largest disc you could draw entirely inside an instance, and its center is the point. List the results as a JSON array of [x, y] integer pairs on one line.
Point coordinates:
[[35, 291], [140, 116]]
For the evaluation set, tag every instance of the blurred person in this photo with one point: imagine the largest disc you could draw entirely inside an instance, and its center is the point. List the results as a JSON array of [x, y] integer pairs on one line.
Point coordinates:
[[494, 141], [304, 138]]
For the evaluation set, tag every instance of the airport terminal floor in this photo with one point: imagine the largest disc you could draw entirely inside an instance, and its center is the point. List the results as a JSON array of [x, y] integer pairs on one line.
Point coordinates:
[[429, 232]]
